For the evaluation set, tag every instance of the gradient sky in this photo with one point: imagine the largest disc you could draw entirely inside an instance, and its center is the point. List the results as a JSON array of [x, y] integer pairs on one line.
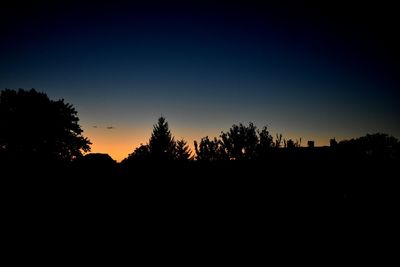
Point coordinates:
[[308, 71]]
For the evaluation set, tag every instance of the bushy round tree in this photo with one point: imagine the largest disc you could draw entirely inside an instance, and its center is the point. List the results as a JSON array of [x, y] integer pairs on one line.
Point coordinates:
[[33, 127]]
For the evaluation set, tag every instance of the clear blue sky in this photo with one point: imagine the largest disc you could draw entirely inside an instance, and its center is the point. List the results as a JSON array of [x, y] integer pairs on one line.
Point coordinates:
[[315, 72]]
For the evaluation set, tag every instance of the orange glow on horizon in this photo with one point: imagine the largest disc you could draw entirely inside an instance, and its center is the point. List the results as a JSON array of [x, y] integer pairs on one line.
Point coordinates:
[[120, 142]]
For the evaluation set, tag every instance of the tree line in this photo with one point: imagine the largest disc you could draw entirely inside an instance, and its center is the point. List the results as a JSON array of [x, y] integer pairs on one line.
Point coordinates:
[[33, 127]]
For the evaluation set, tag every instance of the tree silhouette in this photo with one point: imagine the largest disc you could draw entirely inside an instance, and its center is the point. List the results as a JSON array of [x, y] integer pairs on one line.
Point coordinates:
[[182, 151], [210, 150], [240, 141], [33, 127], [333, 143], [289, 144], [278, 140], [162, 144], [310, 144], [266, 142], [141, 153], [376, 145]]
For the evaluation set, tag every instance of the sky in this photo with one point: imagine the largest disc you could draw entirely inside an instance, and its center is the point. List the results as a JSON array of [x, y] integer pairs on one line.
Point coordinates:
[[305, 70]]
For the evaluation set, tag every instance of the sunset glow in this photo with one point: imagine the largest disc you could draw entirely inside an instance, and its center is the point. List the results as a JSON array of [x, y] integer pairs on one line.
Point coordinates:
[[205, 67]]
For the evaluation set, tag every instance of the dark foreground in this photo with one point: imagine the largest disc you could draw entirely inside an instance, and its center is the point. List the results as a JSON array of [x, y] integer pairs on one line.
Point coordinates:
[[252, 184], [202, 209]]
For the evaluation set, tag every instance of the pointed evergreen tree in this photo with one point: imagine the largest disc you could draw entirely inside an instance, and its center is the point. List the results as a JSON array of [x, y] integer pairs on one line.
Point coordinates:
[[161, 144], [182, 151]]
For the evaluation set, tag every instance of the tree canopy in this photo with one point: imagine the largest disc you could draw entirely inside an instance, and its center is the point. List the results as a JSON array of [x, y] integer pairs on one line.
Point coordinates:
[[240, 142], [33, 127]]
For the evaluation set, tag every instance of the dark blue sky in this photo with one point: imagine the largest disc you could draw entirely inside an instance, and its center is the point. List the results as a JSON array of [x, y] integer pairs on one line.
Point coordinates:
[[307, 71]]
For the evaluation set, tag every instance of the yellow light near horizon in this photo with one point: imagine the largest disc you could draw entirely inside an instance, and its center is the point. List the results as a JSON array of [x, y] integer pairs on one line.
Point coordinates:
[[119, 142]]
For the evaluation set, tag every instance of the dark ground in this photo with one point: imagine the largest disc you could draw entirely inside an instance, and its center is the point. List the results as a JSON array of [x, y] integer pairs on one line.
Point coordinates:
[[225, 209]]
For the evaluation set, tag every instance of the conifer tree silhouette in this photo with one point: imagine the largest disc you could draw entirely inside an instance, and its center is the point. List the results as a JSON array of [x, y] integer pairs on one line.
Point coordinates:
[[183, 152], [162, 144]]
